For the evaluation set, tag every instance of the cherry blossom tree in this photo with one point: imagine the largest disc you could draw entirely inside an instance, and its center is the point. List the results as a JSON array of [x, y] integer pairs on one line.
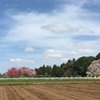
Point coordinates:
[[13, 72], [26, 71], [22, 71]]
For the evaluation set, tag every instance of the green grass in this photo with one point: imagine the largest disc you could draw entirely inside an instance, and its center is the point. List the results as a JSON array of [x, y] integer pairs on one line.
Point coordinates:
[[26, 81]]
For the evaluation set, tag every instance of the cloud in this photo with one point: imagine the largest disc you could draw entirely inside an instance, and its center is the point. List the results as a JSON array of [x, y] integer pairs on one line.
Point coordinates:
[[20, 60], [64, 28], [39, 30], [51, 53], [62, 55], [86, 50], [29, 49], [31, 26], [59, 28], [85, 30]]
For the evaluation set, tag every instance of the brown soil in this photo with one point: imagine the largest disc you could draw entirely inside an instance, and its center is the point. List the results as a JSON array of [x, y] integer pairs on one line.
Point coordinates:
[[68, 91]]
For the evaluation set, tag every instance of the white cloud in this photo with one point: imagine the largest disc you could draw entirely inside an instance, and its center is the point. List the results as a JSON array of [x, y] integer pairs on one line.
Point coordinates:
[[27, 26], [20, 60], [29, 49], [86, 50], [51, 53], [64, 28], [38, 30], [59, 28]]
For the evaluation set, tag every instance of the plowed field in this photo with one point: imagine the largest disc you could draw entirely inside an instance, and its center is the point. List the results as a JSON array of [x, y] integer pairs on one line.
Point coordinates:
[[73, 91]]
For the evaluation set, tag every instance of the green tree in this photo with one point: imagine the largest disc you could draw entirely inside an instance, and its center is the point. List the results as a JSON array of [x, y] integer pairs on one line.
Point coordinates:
[[80, 66], [57, 71], [97, 56]]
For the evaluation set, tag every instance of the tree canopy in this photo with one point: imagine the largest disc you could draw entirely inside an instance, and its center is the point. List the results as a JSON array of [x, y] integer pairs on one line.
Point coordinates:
[[70, 68]]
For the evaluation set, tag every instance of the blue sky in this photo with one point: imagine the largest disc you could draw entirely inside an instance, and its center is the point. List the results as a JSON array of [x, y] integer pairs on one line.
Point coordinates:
[[37, 32]]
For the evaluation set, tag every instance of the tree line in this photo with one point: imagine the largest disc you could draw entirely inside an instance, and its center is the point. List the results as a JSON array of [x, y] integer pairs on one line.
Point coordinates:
[[71, 68]]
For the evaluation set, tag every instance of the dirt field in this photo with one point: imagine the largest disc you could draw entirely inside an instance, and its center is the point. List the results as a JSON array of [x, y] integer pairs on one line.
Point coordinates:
[[73, 91]]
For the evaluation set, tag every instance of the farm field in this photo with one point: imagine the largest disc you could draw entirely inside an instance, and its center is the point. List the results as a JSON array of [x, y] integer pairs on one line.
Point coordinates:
[[77, 90]]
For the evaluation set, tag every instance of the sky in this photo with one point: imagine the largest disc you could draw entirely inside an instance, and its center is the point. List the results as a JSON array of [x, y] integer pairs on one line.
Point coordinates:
[[37, 32]]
